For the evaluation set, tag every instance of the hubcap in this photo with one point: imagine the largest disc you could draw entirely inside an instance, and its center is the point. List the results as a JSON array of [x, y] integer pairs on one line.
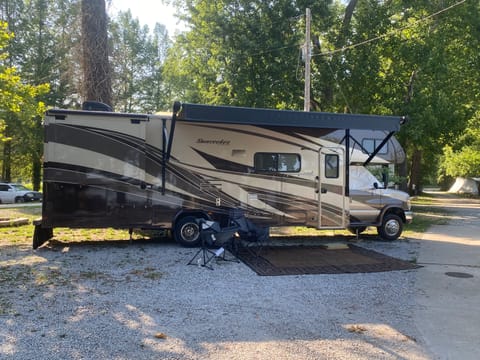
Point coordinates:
[[189, 232], [392, 227]]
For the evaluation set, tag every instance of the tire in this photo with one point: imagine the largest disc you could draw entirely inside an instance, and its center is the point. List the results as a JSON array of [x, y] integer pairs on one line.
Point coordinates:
[[19, 200], [391, 228], [187, 232], [360, 229]]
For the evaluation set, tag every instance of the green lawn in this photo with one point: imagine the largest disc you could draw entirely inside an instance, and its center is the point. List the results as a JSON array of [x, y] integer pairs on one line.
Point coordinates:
[[23, 234], [426, 213]]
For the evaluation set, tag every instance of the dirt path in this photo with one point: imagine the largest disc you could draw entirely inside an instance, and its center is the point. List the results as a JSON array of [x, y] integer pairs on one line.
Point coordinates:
[[448, 287]]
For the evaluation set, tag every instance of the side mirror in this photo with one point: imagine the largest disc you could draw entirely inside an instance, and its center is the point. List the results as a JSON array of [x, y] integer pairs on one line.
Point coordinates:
[[375, 185]]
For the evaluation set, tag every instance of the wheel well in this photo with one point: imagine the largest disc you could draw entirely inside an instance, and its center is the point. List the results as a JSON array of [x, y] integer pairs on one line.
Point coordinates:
[[195, 213], [396, 211]]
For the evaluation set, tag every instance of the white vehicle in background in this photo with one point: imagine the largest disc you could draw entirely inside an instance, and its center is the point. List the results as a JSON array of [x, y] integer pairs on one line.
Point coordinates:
[[17, 193]]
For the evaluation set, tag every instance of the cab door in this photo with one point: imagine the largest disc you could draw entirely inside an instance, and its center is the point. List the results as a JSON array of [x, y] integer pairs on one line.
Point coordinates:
[[332, 202]]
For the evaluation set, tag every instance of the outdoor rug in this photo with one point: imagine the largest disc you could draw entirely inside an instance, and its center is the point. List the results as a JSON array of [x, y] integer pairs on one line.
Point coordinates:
[[299, 260]]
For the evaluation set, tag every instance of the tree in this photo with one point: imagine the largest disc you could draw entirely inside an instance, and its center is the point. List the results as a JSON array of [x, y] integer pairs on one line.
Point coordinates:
[[39, 56], [157, 90], [137, 62], [462, 159], [19, 105], [239, 53], [407, 60], [97, 83]]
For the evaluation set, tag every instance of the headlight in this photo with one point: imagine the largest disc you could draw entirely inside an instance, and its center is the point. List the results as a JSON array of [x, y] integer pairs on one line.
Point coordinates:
[[29, 195], [409, 204]]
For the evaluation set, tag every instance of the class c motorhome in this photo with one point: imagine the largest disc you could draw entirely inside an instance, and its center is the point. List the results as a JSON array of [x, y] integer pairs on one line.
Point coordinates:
[[280, 168]]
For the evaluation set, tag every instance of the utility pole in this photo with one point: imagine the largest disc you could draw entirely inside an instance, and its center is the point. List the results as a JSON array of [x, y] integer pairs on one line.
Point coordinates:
[[308, 49]]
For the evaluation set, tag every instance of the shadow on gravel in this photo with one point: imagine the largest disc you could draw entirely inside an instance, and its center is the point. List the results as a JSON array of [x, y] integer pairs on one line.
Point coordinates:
[[54, 243]]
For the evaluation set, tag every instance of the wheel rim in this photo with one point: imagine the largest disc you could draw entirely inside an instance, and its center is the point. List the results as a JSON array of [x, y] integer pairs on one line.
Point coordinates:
[[189, 232], [392, 227]]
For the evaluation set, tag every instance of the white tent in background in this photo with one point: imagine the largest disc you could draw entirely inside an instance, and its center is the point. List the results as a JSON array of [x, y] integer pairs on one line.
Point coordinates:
[[465, 186]]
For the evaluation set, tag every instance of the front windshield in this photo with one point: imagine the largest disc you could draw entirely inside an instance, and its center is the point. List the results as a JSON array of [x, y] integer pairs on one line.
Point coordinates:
[[361, 178]]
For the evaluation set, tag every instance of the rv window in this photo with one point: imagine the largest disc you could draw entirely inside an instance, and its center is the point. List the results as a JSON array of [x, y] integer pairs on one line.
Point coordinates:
[[331, 166], [371, 144], [273, 162]]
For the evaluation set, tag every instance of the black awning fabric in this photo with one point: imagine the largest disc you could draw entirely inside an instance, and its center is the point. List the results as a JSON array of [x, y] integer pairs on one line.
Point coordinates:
[[268, 117]]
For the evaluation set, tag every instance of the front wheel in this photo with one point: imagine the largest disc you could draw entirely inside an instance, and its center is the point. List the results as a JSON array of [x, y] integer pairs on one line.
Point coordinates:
[[391, 228], [187, 232]]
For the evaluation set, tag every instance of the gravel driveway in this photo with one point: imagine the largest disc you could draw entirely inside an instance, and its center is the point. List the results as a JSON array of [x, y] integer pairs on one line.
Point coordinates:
[[115, 300]]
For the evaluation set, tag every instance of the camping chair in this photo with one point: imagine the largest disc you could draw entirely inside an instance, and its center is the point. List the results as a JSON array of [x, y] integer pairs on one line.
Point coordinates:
[[214, 240], [253, 238]]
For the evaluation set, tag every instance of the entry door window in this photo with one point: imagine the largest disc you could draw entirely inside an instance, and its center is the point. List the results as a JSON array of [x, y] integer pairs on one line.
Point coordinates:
[[331, 166]]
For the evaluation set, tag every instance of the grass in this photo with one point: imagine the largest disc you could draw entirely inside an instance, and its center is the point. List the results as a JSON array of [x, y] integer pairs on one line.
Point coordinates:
[[16, 235], [427, 212]]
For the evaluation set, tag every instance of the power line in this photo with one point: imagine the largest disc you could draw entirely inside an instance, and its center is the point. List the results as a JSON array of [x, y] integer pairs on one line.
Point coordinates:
[[368, 41], [346, 48]]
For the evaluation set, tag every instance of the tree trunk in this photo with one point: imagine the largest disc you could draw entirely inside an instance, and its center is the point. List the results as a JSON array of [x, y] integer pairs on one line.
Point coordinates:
[[414, 184], [7, 162], [36, 173], [347, 19], [328, 88], [97, 83], [402, 171], [36, 157]]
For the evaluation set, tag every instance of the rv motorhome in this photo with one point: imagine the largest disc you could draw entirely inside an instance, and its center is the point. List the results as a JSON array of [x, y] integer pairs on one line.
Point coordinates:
[[280, 168]]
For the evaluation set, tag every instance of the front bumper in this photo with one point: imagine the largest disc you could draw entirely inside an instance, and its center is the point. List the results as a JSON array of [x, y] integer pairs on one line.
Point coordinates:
[[408, 216]]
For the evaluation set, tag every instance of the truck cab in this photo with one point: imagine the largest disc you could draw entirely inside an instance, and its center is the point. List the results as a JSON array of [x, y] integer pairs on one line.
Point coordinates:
[[371, 204]]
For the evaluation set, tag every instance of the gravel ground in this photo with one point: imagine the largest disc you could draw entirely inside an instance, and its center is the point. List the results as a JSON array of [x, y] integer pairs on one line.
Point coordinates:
[[141, 301]]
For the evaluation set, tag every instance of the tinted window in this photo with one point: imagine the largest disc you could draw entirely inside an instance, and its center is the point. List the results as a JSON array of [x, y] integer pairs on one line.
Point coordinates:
[[273, 162]]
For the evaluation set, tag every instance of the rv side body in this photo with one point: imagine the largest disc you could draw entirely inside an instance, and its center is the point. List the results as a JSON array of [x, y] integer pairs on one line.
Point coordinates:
[[104, 169]]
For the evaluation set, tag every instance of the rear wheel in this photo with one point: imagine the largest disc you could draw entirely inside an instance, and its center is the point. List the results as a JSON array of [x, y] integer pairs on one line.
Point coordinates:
[[391, 228], [187, 232], [19, 199]]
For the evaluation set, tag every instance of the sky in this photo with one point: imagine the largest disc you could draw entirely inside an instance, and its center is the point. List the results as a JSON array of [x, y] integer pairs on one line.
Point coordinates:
[[148, 12]]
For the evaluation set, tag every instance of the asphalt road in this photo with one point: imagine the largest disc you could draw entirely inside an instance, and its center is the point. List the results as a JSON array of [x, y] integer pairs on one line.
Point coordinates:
[[448, 286]]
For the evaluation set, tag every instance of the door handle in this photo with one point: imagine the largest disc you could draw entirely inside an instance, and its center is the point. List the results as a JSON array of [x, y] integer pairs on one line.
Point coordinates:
[[316, 184]]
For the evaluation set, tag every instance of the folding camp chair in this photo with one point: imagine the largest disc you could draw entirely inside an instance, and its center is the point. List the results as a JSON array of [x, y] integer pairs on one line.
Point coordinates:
[[253, 238], [214, 241]]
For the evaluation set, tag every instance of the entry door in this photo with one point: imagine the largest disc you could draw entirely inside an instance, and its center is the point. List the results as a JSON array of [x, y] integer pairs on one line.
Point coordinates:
[[332, 203]]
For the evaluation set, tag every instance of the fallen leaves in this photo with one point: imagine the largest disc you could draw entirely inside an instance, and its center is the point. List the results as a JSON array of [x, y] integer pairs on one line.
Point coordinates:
[[357, 329]]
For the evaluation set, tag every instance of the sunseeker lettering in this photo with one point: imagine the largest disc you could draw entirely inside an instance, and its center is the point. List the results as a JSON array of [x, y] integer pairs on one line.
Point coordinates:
[[215, 142]]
